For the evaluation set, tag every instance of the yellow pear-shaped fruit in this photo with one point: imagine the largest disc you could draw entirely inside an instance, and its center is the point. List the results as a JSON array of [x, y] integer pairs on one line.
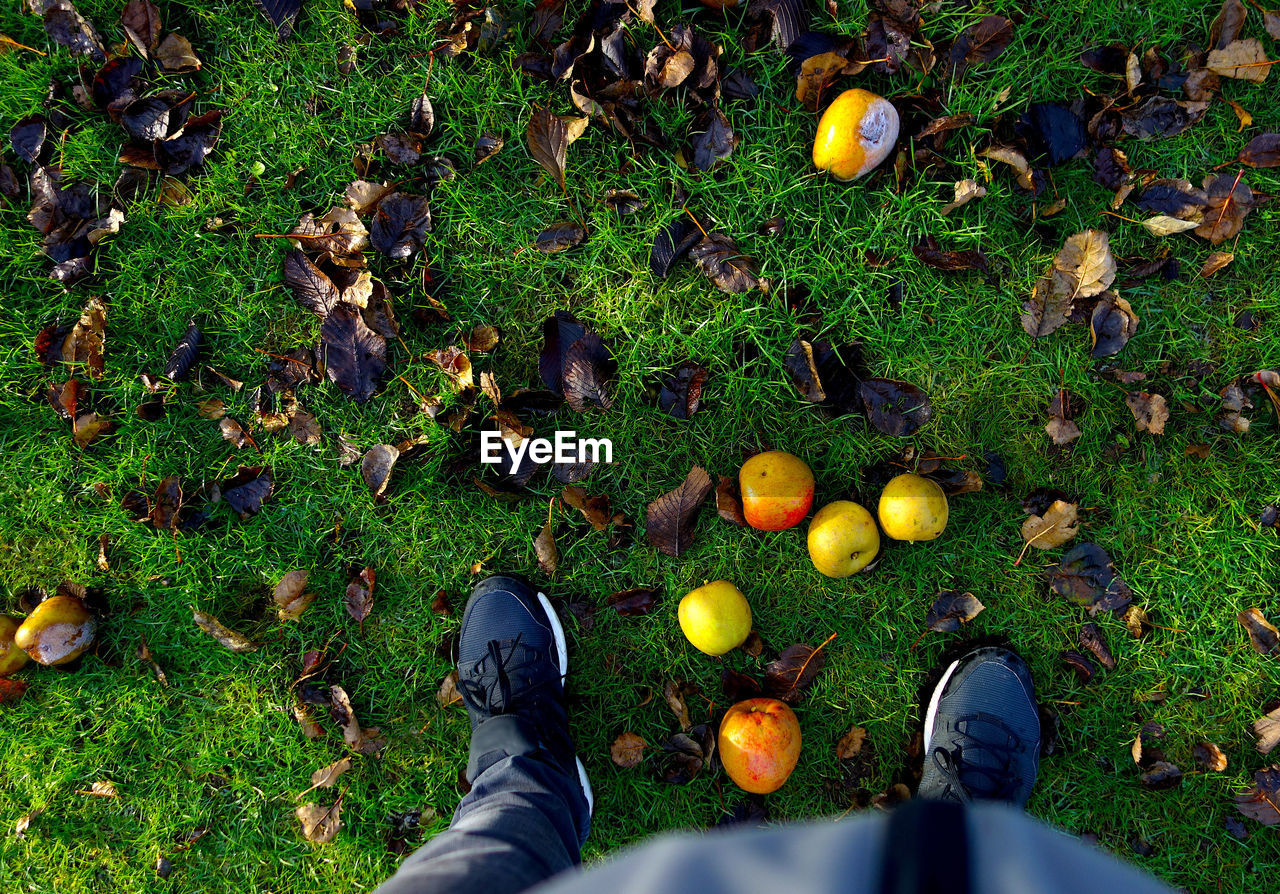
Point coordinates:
[[855, 134], [843, 539], [715, 617], [59, 630], [12, 658], [913, 508]]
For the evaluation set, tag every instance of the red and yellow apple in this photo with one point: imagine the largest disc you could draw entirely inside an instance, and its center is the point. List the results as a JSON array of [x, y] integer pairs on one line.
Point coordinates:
[[777, 490], [759, 744]]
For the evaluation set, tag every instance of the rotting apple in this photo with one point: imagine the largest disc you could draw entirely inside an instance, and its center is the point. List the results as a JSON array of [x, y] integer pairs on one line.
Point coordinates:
[[777, 490], [855, 134], [759, 744], [12, 658], [58, 631]]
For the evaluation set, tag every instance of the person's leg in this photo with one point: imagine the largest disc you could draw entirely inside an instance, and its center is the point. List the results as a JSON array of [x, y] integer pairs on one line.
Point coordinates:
[[529, 808]]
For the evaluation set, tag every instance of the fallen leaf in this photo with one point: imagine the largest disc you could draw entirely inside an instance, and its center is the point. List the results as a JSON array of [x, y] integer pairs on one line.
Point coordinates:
[[548, 138], [1091, 638], [1060, 428], [559, 236], [1024, 175], [1215, 262], [175, 54], [931, 254], [1267, 731], [729, 501], [359, 595], [1087, 258], [353, 355], [1230, 201], [376, 469], [544, 545], [1263, 151], [951, 609], [850, 744], [327, 777], [674, 692], [895, 408], [1078, 664], [1243, 59], [290, 596], [320, 825], [400, 225], [669, 520], [283, 14], [717, 258], [633, 602], [791, 673], [685, 754], [226, 637], [103, 788], [1056, 526], [965, 192], [448, 694], [247, 490], [1046, 310], [1087, 577], [1161, 776], [980, 43], [1112, 324], [671, 244], [594, 509], [712, 139], [576, 363], [1262, 803], [11, 690], [312, 288], [1150, 411], [1210, 757], [362, 741], [1263, 635], [627, 750], [680, 394]]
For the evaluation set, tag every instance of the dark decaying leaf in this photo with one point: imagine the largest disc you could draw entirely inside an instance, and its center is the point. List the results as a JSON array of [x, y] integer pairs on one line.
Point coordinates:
[[729, 501], [951, 609], [737, 686], [246, 491], [826, 374], [1161, 775], [1092, 639], [1160, 116], [187, 150], [624, 201], [575, 363], [685, 754], [364, 741], [1262, 802], [400, 225], [1227, 24], [791, 673], [981, 43], [1113, 323], [636, 601], [1150, 411], [354, 356], [184, 353], [669, 520], [310, 286], [358, 597], [1263, 151], [166, 503], [712, 139], [406, 831], [559, 236], [1078, 664], [1230, 200], [27, 137], [375, 469], [1087, 577], [594, 509], [226, 637], [548, 138], [1209, 757], [141, 22], [64, 24], [671, 244], [283, 14], [487, 146], [718, 259], [544, 546], [933, 255], [680, 393], [1263, 635], [895, 408], [1053, 132]]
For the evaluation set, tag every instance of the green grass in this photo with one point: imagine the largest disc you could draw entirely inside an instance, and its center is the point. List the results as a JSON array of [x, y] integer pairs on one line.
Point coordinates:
[[219, 750]]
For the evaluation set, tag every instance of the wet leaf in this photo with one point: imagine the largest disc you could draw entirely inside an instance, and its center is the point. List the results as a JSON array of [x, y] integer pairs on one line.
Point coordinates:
[[376, 468], [850, 744], [680, 394], [66, 26], [544, 545], [1159, 116], [981, 43], [400, 225], [184, 353], [166, 503], [1087, 577], [1112, 324], [312, 288], [559, 236], [283, 14], [233, 432], [359, 595], [1243, 59], [1263, 151], [1053, 132], [290, 595], [1056, 526], [1016, 160], [1210, 757], [1262, 802], [669, 520], [1150, 411], [225, 637], [951, 609], [1263, 636], [627, 751], [729, 501], [548, 137], [717, 258], [712, 139], [825, 374], [672, 243], [633, 602], [246, 491], [895, 408], [931, 254], [1092, 639], [738, 686], [27, 137], [1230, 201], [1078, 664], [1161, 776], [789, 675], [354, 356], [320, 825], [685, 754]]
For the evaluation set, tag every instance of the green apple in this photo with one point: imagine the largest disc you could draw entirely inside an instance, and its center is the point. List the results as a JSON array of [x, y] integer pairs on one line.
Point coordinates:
[[843, 539]]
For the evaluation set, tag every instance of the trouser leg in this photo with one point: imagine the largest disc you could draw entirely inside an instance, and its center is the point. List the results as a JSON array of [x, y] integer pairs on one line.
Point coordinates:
[[524, 820]]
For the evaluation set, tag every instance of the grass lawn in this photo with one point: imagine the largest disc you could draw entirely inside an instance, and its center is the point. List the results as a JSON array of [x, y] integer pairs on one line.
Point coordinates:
[[218, 750]]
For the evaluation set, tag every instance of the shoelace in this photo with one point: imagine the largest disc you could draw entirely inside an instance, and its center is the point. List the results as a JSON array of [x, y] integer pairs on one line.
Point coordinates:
[[997, 780], [492, 675]]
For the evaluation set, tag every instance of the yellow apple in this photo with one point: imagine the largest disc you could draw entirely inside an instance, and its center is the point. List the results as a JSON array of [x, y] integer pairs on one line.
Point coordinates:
[[715, 617], [843, 539], [855, 134], [913, 508], [59, 630], [12, 658]]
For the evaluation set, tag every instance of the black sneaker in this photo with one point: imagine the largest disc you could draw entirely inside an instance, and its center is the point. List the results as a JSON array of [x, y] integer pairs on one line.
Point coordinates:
[[982, 730], [512, 660]]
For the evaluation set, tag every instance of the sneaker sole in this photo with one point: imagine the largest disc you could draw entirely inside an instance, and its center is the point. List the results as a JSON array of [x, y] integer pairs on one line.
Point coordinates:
[[562, 652]]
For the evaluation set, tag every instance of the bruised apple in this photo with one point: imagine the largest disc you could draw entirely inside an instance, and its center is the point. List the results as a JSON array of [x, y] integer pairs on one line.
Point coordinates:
[[843, 539], [855, 134], [759, 744], [59, 630], [715, 618], [777, 490], [913, 508], [12, 658]]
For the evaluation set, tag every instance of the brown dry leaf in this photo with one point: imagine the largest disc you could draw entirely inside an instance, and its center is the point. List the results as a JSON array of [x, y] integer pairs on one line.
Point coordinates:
[[364, 741], [376, 468], [1057, 526], [1060, 427], [1263, 802], [289, 596], [211, 408], [1150, 411], [674, 692], [359, 595], [482, 338], [1267, 731], [320, 825], [1262, 633], [669, 519], [103, 788], [310, 728], [85, 342], [1216, 262], [1244, 59], [594, 509], [234, 433], [850, 743], [627, 750], [1164, 225], [1016, 160], [226, 637], [1087, 258], [1241, 113], [327, 777], [1045, 311], [1210, 757], [448, 693], [965, 192], [548, 137]]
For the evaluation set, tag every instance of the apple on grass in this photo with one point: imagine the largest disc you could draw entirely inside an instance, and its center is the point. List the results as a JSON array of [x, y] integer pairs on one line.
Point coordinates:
[[777, 490], [715, 617], [759, 744], [843, 539], [913, 508]]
